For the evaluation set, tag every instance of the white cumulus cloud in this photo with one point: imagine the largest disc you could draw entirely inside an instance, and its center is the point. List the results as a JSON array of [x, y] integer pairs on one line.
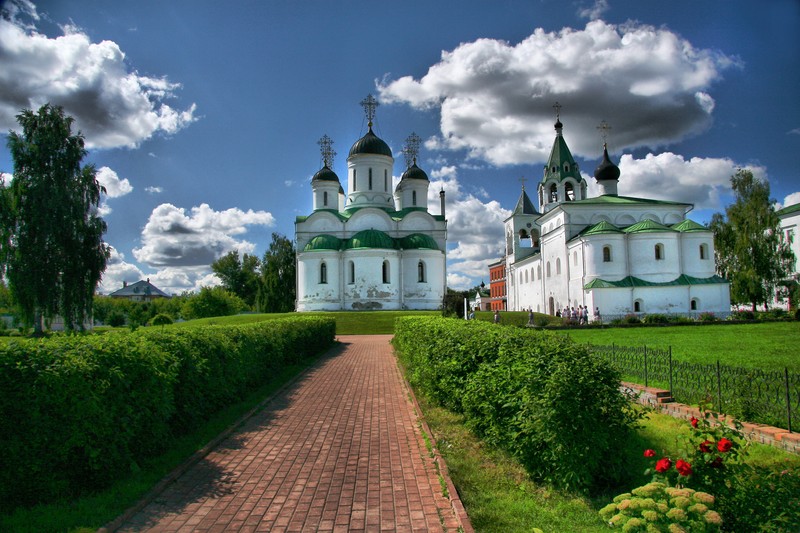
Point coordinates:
[[112, 105], [496, 99], [667, 176], [174, 238], [474, 229]]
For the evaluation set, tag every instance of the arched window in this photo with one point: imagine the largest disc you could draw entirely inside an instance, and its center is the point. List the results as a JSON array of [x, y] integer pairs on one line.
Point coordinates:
[[385, 180], [659, 251], [637, 306], [547, 269], [323, 272], [558, 266], [352, 271], [325, 198], [385, 272], [538, 271], [421, 272], [526, 277], [355, 182], [569, 192], [575, 258], [370, 179], [703, 251], [693, 304], [606, 254], [553, 192], [414, 198]]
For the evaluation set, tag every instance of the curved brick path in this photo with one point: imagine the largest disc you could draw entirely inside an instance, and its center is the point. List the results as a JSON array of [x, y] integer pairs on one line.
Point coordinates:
[[339, 450]]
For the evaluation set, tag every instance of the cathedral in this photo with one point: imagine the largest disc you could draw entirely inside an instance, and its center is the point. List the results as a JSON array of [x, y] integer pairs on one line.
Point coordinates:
[[371, 248], [611, 253]]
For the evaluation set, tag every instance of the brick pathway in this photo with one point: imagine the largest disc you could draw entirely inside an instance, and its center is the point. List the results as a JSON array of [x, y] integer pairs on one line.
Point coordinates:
[[340, 450]]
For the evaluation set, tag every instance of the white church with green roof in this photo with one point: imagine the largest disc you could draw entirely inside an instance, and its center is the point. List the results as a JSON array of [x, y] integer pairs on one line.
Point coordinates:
[[619, 254], [375, 246]]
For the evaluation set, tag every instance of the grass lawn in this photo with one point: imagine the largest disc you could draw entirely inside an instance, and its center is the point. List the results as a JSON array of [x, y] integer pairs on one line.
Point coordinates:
[[347, 322], [768, 345], [499, 496]]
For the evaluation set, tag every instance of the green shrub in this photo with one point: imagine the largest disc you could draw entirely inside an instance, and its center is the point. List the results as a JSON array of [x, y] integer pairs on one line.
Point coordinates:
[[534, 393], [707, 317], [77, 412], [656, 318], [744, 314], [632, 319], [115, 319]]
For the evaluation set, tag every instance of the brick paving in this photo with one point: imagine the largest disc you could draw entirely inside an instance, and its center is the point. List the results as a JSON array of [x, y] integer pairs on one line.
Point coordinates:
[[339, 450]]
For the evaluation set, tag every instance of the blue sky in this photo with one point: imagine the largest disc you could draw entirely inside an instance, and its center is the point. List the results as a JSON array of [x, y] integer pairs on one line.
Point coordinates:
[[203, 117]]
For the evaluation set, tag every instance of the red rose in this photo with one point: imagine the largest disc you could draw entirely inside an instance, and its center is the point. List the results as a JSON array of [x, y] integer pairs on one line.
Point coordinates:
[[683, 468], [662, 465], [704, 446], [649, 453], [693, 421], [724, 445]]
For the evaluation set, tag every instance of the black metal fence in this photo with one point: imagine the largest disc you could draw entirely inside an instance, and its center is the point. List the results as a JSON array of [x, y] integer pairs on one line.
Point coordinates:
[[761, 396]]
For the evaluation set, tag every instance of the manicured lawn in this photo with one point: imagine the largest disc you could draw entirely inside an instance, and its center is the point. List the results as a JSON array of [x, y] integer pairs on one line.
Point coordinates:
[[347, 322], [768, 345]]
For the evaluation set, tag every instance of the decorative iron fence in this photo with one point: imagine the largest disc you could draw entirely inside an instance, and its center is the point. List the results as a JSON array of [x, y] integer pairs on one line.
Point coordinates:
[[760, 396]]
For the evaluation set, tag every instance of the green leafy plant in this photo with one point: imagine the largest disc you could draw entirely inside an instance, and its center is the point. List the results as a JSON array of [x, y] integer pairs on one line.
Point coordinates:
[[657, 507]]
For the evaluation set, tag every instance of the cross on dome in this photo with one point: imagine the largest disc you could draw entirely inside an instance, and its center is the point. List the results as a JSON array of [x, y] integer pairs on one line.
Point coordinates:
[[557, 107], [604, 129], [326, 150], [411, 149], [522, 180], [369, 104]]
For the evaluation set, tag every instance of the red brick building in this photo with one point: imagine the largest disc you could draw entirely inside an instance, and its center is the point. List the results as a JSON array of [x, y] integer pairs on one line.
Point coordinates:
[[497, 285]]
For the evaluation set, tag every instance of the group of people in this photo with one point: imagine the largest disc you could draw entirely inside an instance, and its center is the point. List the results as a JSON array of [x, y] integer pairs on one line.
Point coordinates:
[[570, 314], [579, 315]]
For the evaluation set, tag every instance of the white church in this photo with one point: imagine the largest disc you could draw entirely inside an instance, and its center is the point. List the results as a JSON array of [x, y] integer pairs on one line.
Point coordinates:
[[616, 253], [371, 248]]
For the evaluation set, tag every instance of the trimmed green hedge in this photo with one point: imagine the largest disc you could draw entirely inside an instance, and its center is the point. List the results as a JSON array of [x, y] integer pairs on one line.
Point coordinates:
[[534, 393], [77, 412]]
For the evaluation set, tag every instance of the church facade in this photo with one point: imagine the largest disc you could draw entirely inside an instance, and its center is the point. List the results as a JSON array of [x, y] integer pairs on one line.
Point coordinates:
[[617, 254], [375, 246]]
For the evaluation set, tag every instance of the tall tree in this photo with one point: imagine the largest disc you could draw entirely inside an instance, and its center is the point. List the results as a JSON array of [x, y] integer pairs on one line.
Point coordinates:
[[239, 275], [278, 277], [750, 249], [52, 248]]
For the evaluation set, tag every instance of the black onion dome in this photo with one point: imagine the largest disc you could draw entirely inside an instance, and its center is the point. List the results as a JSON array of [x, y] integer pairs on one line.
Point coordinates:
[[325, 174], [414, 173], [558, 125], [606, 170], [370, 144]]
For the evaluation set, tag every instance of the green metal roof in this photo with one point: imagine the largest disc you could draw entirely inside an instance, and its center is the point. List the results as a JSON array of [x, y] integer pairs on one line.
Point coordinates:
[[370, 144], [647, 226], [370, 238], [601, 228], [395, 215], [788, 210], [689, 226], [561, 160], [608, 199], [631, 281], [418, 241], [323, 242], [524, 205]]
